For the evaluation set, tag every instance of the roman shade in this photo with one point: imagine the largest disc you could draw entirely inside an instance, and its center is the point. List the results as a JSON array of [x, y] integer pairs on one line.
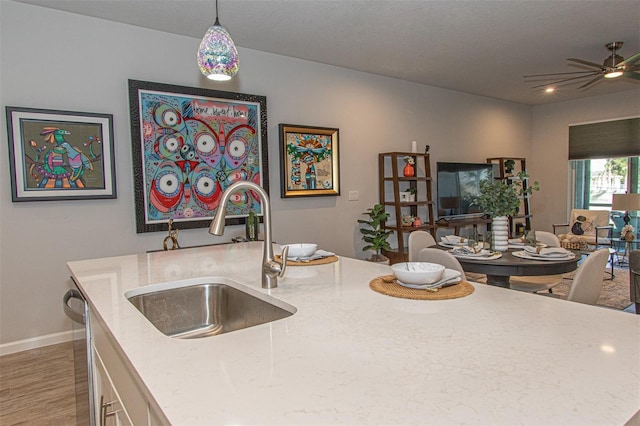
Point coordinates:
[[619, 138]]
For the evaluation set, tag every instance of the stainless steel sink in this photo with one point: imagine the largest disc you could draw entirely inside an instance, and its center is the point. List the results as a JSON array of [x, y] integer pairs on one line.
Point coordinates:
[[207, 309]]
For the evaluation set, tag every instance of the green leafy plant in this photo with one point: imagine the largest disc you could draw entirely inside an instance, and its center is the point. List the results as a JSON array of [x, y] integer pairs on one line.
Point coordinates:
[[374, 234], [501, 197], [509, 165]]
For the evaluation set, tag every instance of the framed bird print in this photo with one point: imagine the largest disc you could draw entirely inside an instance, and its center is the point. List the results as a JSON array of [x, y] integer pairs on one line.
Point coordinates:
[[188, 146], [309, 161], [60, 155]]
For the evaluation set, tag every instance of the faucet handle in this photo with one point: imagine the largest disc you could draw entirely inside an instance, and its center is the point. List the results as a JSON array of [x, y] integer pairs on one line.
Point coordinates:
[[285, 254]]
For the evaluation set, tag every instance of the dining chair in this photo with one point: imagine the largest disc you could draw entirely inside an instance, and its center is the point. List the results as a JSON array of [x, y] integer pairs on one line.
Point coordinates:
[[534, 284], [441, 257], [417, 241], [587, 283], [634, 279]]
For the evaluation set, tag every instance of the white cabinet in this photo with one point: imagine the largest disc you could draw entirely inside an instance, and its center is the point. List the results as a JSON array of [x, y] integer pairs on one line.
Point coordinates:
[[119, 397], [109, 410]]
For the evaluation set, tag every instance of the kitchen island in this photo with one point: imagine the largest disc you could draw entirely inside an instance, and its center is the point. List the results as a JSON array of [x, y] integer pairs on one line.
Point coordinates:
[[351, 356]]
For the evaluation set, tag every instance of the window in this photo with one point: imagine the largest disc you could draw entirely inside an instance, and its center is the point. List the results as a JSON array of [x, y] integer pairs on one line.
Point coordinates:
[[596, 180], [603, 157]]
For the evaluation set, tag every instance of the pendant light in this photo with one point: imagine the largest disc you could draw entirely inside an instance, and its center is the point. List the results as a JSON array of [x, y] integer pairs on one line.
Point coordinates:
[[217, 55]]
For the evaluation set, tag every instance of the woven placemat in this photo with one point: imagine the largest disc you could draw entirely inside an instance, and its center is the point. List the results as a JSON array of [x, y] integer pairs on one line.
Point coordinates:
[[386, 284], [322, 261]]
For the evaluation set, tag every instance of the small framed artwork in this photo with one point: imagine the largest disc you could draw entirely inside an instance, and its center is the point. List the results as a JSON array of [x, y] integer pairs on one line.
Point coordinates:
[[188, 146], [309, 161], [60, 155]]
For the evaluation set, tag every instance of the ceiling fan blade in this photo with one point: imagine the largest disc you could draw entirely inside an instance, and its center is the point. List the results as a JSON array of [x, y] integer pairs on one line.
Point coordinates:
[[564, 80], [631, 74], [590, 64], [559, 73], [630, 60], [592, 82]]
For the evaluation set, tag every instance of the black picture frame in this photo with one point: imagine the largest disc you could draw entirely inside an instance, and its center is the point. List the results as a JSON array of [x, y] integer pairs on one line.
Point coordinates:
[[57, 155], [309, 161], [233, 124]]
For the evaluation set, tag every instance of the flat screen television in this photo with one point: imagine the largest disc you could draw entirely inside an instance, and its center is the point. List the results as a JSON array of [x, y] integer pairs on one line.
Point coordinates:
[[458, 185]]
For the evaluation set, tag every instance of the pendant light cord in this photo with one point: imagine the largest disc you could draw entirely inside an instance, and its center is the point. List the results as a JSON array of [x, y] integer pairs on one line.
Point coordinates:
[[217, 21]]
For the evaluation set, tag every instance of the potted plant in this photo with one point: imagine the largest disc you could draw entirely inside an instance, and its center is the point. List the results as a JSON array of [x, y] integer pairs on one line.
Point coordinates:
[[373, 234], [500, 198], [407, 220], [509, 165], [408, 195], [413, 191]]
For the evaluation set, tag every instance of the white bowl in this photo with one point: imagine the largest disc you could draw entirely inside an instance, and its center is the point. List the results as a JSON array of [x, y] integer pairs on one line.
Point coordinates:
[[301, 250], [417, 272]]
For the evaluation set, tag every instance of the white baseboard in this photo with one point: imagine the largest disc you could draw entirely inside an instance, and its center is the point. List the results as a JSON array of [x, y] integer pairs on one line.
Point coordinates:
[[41, 341]]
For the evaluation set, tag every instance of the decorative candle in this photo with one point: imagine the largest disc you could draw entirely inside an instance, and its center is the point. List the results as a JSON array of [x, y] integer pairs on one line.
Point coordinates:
[[414, 146]]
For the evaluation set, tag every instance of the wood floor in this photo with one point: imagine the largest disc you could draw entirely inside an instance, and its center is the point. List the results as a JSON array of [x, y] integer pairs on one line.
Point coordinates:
[[37, 387]]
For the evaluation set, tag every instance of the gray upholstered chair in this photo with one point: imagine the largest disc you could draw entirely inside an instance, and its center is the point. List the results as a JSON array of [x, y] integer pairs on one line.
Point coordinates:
[[634, 278], [587, 283], [441, 257], [417, 241]]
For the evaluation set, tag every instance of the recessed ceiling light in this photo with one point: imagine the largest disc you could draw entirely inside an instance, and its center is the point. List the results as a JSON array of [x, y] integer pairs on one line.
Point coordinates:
[[550, 89]]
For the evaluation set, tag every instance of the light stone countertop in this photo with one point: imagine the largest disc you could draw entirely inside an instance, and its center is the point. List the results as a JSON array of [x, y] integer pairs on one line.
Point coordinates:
[[351, 356]]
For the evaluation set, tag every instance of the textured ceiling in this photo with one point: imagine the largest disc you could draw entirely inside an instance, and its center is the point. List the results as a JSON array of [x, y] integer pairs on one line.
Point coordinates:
[[483, 47]]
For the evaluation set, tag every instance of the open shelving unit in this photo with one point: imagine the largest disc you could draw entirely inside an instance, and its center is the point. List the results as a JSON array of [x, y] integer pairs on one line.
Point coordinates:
[[521, 221], [392, 184]]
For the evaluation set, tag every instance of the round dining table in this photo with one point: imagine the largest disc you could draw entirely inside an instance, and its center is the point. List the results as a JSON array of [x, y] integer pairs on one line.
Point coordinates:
[[499, 270]]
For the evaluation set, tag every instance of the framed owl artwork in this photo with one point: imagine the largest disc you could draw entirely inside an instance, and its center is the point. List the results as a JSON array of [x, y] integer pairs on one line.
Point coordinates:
[[190, 144]]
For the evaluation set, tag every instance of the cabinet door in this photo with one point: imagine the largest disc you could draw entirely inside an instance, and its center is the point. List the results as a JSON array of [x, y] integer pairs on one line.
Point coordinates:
[[109, 410], [127, 391]]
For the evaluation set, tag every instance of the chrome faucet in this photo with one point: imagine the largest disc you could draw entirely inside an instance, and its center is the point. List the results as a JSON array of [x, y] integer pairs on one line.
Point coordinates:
[[271, 269]]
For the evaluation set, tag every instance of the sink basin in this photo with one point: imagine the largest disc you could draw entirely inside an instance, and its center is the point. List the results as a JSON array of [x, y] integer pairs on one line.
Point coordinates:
[[207, 309]]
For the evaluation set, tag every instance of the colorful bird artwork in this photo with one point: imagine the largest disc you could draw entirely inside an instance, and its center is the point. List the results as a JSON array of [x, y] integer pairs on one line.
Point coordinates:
[[63, 165]]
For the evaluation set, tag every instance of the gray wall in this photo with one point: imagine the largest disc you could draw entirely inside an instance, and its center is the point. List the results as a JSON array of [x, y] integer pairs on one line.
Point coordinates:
[[57, 60], [550, 141]]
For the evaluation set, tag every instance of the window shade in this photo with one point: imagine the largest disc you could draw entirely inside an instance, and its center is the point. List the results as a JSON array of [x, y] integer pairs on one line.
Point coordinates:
[[620, 138]]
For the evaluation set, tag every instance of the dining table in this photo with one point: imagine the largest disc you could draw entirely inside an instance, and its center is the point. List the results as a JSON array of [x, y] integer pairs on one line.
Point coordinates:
[[498, 271]]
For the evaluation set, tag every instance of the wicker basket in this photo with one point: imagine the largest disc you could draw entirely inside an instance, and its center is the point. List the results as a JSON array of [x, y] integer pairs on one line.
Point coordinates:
[[574, 245]]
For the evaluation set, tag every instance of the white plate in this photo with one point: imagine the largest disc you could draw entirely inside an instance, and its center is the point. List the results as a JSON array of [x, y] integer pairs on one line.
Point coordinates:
[[449, 245], [449, 277], [494, 256], [520, 245], [319, 254], [524, 255]]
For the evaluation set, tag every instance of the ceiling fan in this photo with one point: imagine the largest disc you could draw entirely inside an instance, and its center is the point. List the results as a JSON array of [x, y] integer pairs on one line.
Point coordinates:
[[614, 66]]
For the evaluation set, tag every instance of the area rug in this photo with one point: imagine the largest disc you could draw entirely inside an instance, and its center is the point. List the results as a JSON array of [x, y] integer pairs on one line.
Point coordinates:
[[614, 294]]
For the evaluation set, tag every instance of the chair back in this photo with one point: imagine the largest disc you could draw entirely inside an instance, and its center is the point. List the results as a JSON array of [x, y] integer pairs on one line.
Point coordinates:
[[634, 276], [441, 257], [417, 241], [587, 283], [634, 260], [548, 238]]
